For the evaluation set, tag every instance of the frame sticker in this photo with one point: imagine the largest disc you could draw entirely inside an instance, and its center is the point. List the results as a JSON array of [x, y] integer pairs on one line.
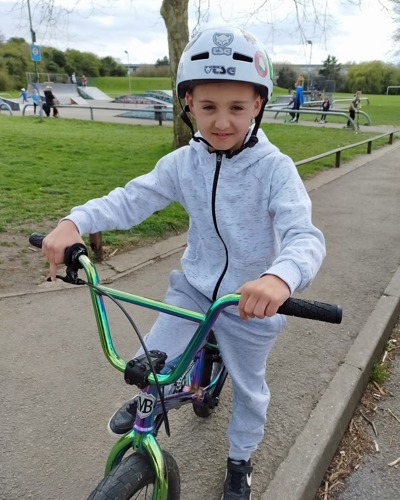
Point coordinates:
[[145, 404]]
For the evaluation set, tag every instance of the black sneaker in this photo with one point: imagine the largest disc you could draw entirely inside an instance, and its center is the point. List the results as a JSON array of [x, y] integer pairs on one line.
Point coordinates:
[[123, 419], [238, 480]]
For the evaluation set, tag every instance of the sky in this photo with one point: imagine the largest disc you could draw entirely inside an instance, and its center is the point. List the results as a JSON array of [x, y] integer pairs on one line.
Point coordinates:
[[133, 30]]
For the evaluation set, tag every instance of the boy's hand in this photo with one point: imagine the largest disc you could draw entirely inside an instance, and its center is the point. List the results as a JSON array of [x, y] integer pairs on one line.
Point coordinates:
[[55, 243], [262, 297]]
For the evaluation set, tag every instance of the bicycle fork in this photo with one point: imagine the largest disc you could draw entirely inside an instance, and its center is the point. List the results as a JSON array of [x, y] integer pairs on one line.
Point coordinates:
[[142, 440]]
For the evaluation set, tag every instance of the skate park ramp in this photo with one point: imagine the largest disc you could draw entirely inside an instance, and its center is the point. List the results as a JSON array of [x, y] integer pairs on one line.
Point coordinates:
[[13, 104], [93, 93], [70, 93]]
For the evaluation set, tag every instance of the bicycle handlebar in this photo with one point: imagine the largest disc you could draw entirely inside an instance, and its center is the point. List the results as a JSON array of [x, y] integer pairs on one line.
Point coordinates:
[[307, 309], [76, 258]]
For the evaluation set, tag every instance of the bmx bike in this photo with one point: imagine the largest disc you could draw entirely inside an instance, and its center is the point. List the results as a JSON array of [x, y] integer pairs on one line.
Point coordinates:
[[136, 466]]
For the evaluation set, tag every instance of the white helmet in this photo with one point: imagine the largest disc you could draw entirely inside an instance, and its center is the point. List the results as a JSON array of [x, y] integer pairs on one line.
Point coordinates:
[[225, 53]]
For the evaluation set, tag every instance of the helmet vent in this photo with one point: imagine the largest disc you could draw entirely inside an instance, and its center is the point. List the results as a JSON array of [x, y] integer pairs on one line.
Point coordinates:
[[202, 55], [241, 57]]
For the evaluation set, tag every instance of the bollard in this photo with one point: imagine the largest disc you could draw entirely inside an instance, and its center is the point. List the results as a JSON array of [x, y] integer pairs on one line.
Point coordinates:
[[96, 245]]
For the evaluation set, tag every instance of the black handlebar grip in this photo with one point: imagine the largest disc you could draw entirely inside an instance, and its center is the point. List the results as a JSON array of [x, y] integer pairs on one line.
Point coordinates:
[[310, 309], [71, 254], [36, 239]]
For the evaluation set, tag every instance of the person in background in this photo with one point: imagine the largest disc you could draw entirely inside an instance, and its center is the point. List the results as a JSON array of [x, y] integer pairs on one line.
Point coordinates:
[[354, 105], [298, 101], [36, 100], [84, 81], [73, 78], [325, 107], [50, 102], [24, 96], [291, 105]]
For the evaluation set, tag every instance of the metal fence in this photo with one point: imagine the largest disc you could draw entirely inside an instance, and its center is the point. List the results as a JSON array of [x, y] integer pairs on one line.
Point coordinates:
[[319, 112], [158, 112]]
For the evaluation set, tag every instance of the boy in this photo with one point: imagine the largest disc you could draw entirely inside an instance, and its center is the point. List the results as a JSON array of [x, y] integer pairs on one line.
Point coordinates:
[[24, 96], [36, 99], [250, 228]]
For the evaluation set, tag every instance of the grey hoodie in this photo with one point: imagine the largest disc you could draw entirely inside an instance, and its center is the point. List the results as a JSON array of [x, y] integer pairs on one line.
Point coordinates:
[[249, 215]]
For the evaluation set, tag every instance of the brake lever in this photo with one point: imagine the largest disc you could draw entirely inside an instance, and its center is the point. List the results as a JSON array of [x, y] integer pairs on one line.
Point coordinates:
[[70, 277]]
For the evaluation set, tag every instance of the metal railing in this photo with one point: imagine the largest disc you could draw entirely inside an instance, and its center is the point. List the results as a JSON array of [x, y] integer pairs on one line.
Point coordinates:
[[304, 111], [158, 110], [337, 152], [4, 105], [349, 99]]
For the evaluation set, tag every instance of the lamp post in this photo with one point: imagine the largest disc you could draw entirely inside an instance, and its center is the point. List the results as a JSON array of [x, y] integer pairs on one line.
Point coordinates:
[[33, 36], [36, 83], [309, 65], [129, 72]]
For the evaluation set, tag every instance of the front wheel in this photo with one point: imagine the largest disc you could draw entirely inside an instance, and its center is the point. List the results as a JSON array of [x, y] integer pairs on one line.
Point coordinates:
[[134, 478]]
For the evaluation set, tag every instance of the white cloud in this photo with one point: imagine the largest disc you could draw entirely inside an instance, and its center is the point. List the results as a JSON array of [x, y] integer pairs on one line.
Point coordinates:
[[137, 27]]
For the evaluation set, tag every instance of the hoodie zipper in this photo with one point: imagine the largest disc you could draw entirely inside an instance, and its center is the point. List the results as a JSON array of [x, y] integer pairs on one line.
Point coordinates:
[[214, 216]]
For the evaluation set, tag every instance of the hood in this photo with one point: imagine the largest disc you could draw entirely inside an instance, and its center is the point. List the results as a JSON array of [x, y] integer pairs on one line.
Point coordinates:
[[245, 158]]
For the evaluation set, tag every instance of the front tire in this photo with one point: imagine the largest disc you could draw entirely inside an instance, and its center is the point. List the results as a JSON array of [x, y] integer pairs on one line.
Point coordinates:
[[135, 476]]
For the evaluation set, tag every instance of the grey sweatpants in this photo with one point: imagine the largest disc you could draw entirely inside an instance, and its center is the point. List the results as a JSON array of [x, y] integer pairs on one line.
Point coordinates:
[[244, 347]]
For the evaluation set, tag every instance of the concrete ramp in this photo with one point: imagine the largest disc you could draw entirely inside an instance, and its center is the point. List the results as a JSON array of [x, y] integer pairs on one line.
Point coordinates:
[[70, 93], [12, 103], [62, 91], [93, 93], [76, 99]]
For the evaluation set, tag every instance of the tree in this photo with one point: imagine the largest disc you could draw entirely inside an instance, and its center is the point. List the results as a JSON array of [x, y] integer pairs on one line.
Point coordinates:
[[110, 67], [162, 62], [331, 68], [396, 35], [175, 15], [15, 57], [59, 58], [84, 63], [372, 77], [332, 71], [286, 77]]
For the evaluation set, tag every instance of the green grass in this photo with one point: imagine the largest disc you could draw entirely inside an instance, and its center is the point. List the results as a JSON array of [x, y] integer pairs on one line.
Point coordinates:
[[379, 373], [117, 85], [49, 166]]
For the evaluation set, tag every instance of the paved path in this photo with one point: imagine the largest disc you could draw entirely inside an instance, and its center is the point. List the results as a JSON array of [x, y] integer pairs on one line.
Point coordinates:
[[57, 391]]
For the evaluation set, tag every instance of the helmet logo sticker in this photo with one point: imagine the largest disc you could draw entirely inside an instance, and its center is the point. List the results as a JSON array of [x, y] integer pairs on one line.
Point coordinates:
[[222, 40], [261, 64], [220, 70]]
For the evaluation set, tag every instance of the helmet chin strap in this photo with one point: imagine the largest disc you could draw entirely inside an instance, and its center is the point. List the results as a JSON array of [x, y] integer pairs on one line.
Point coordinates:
[[252, 141]]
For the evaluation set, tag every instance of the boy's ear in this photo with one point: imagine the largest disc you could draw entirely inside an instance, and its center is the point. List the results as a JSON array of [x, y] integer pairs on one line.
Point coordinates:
[[257, 106], [189, 101]]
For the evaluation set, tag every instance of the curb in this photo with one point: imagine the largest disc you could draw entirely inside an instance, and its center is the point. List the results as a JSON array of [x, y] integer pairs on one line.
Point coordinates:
[[300, 475]]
